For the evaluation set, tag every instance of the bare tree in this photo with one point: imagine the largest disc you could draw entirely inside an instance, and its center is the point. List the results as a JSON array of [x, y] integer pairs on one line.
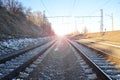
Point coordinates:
[[36, 18], [0, 3], [28, 11], [40, 20], [12, 6]]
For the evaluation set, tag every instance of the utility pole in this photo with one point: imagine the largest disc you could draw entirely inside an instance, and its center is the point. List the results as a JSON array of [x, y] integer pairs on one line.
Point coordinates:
[[101, 25], [75, 27], [112, 22]]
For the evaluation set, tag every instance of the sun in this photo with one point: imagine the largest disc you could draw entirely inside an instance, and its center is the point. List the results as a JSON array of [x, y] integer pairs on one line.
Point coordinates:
[[60, 30], [60, 33]]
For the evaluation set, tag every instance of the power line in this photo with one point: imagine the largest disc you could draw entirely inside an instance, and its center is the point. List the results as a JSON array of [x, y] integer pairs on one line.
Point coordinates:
[[44, 6], [58, 16], [74, 3], [85, 16], [101, 6], [73, 6]]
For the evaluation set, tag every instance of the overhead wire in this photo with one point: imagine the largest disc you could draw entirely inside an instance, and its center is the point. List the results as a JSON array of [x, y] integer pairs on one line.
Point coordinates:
[[45, 6], [106, 2], [71, 10], [74, 3]]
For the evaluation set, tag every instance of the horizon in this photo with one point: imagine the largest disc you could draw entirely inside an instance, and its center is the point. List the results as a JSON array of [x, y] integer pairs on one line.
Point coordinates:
[[56, 8]]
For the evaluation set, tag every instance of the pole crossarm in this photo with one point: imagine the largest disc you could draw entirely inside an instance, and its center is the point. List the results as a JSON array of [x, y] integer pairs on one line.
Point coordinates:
[[71, 16], [85, 16], [58, 16]]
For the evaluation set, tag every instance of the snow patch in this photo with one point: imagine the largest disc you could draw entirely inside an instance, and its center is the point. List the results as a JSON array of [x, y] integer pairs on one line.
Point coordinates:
[[12, 45]]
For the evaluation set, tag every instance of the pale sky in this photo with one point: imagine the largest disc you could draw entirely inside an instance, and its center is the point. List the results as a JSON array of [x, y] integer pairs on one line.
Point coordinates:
[[73, 8]]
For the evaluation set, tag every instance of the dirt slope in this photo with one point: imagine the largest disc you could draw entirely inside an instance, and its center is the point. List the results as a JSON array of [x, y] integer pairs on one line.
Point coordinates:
[[16, 25]]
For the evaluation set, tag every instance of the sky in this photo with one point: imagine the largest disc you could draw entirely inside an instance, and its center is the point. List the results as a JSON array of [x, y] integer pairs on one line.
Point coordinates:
[[62, 14]]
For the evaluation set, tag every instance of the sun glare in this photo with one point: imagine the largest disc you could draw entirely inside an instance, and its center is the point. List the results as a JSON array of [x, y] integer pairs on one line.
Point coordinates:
[[62, 29], [60, 34]]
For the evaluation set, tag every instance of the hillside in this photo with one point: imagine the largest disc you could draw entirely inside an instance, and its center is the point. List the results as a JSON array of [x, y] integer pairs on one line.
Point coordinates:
[[17, 25]]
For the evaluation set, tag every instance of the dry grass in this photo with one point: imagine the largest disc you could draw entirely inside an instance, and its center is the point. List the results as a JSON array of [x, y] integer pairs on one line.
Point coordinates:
[[113, 36]]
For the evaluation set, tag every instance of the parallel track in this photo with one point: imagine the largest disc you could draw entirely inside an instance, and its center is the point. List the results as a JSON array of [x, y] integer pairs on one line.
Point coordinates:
[[104, 68], [103, 64], [13, 64], [20, 52]]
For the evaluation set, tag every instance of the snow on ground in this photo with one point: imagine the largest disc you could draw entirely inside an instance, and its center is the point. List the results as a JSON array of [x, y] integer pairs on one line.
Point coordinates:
[[12, 45]]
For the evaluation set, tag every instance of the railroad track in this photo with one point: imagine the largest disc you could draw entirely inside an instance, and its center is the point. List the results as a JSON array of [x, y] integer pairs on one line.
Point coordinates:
[[13, 65], [96, 64], [20, 52], [104, 65]]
